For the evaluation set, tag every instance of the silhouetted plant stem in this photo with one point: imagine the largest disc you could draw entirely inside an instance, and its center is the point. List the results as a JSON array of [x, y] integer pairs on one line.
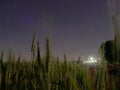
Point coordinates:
[[38, 54], [33, 47]]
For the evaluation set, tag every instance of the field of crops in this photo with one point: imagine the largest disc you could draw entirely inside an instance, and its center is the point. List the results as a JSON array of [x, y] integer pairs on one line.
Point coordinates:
[[50, 73]]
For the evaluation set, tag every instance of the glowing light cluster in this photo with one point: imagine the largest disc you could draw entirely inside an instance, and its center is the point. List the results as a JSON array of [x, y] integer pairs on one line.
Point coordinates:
[[91, 60]]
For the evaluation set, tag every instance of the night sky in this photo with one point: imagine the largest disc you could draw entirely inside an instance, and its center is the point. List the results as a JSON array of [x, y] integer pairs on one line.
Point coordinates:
[[76, 27]]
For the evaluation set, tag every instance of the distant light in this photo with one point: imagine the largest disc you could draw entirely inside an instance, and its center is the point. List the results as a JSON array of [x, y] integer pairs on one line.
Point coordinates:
[[91, 60]]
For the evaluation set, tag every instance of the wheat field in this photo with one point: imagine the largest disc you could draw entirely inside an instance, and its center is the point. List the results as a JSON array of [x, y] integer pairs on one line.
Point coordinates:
[[50, 73]]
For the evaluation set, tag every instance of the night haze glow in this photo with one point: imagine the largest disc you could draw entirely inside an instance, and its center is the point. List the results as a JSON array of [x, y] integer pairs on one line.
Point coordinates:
[[77, 27]]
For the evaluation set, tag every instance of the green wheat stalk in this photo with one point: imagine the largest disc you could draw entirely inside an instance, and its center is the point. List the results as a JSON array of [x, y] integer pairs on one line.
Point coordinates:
[[33, 46]]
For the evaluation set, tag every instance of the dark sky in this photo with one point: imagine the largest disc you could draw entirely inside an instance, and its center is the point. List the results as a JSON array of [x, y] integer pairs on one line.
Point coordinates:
[[76, 27]]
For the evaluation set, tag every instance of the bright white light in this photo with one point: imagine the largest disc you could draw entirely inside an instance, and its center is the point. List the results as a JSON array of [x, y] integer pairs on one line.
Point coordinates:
[[90, 60]]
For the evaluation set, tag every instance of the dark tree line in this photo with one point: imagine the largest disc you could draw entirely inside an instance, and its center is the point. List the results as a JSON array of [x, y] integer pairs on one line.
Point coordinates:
[[109, 52]]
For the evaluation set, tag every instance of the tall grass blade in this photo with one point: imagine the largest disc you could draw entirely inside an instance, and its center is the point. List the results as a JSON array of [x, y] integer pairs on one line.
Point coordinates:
[[38, 54], [33, 46]]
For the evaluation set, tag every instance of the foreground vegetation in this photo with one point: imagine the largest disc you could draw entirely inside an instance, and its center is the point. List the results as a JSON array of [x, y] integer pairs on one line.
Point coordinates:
[[49, 73]]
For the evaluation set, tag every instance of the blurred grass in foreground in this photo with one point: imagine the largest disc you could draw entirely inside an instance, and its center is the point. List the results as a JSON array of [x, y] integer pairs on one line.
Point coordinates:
[[50, 73]]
